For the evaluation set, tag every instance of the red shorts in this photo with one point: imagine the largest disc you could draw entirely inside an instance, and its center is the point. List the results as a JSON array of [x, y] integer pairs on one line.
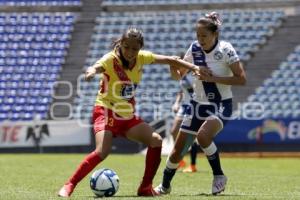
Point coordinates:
[[106, 119]]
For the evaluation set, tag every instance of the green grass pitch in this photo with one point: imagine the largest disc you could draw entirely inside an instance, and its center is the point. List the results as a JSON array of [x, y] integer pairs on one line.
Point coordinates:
[[39, 176]]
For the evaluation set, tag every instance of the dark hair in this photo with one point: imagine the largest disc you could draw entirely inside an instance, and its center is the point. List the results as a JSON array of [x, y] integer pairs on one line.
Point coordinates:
[[130, 33], [211, 21]]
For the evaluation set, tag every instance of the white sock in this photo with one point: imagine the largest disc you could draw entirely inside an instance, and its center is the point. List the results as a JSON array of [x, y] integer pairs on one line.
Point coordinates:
[[171, 165], [210, 150]]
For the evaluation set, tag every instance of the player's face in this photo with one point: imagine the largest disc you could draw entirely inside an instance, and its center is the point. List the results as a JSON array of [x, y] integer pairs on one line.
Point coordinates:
[[205, 37], [130, 48]]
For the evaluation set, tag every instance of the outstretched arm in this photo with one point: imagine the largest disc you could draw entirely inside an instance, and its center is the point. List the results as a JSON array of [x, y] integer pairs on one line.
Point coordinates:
[[91, 71], [179, 63]]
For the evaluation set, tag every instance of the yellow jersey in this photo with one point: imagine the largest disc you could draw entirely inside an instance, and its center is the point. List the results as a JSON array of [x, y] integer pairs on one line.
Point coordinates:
[[118, 85]]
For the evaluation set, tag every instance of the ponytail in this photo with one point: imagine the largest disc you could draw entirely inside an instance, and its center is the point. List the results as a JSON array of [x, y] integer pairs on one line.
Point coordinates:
[[212, 21]]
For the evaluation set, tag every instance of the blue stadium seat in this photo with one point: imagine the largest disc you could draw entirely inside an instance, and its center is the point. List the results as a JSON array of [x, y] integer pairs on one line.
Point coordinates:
[[40, 3], [280, 93], [32, 50]]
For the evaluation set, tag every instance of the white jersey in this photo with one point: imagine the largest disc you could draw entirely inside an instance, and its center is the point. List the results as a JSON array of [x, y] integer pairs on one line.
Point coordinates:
[[218, 61]]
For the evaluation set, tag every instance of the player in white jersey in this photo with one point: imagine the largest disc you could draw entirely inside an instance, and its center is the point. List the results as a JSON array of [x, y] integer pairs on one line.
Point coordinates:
[[211, 106]]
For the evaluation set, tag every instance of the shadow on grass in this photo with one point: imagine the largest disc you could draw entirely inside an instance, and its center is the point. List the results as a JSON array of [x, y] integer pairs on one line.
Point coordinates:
[[197, 172], [184, 195], [210, 195], [116, 196]]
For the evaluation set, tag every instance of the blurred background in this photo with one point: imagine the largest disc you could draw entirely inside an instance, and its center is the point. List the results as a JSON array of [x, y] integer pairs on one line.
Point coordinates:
[[45, 46]]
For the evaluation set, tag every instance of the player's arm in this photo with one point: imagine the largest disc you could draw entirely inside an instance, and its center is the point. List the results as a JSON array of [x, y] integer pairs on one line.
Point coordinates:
[[238, 78], [176, 104], [178, 73], [179, 63], [92, 71]]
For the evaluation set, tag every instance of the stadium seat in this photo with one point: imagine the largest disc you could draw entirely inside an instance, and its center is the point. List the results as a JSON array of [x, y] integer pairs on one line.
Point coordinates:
[[33, 46], [280, 93], [40, 3]]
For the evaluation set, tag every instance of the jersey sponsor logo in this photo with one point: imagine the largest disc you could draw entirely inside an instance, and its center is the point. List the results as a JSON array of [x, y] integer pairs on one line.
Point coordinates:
[[127, 91], [218, 55], [197, 53]]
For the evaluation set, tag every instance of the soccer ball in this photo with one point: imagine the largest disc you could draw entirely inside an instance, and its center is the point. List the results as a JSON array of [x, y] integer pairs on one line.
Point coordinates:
[[104, 182]]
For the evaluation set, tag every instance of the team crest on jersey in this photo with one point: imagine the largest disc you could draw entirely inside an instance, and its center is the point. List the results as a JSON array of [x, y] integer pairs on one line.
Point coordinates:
[[127, 91], [218, 55]]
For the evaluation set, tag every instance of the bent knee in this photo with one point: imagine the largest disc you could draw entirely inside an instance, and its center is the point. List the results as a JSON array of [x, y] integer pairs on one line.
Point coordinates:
[[204, 139], [156, 140]]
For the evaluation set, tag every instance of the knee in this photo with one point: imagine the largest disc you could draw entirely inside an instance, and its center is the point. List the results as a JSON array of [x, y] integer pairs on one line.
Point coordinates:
[[156, 140], [204, 139]]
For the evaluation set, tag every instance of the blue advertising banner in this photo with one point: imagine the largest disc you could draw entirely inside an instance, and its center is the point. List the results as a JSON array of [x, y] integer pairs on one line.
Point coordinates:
[[270, 131]]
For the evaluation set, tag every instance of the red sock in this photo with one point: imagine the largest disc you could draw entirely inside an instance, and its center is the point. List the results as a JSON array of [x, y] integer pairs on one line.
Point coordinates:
[[87, 165], [152, 164]]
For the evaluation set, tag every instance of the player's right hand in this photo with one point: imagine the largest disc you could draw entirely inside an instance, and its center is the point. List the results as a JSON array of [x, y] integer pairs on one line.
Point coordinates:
[[90, 73]]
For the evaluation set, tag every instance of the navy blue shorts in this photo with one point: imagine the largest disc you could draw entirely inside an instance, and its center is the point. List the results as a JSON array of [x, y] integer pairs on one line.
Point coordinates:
[[197, 113]]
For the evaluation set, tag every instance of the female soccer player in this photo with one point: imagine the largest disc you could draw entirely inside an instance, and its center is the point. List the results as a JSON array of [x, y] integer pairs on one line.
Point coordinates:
[[113, 113], [211, 106]]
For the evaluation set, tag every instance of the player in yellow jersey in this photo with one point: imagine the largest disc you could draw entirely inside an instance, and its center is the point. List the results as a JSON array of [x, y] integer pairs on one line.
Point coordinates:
[[113, 114]]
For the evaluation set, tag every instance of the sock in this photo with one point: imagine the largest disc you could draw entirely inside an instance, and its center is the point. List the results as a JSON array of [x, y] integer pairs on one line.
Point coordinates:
[[152, 164], [193, 153], [85, 167], [212, 155], [169, 173]]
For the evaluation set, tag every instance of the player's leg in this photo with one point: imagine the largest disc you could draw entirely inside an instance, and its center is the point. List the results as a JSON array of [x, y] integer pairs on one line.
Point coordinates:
[[182, 144], [174, 132], [206, 133], [103, 139], [193, 156], [175, 127], [187, 134], [143, 133], [103, 147]]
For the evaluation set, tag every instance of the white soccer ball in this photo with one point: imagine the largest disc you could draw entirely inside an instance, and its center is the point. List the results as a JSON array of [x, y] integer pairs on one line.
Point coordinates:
[[104, 182]]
